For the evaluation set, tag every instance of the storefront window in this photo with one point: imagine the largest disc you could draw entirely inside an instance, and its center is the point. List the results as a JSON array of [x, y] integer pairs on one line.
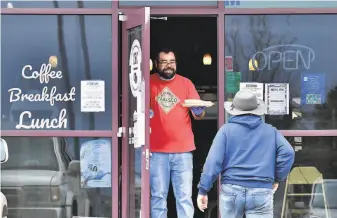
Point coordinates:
[[279, 4], [287, 50], [44, 59], [167, 3], [43, 177], [311, 187], [56, 4]]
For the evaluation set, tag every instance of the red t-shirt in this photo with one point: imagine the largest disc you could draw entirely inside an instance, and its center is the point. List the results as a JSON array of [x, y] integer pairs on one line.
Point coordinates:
[[171, 130]]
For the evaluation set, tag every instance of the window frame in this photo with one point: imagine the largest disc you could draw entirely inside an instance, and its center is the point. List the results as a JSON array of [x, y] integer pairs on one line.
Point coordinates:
[[112, 134], [272, 11]]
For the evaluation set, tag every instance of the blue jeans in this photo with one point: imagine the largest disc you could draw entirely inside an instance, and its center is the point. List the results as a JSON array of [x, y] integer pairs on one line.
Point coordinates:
[[179, 168], [235, 201]]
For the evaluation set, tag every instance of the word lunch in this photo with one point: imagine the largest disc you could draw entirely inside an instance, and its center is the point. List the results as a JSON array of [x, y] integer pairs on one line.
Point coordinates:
[[47, 94]]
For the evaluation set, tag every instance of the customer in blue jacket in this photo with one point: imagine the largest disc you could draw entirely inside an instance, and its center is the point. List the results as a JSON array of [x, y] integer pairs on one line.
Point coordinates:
[[251, 156]]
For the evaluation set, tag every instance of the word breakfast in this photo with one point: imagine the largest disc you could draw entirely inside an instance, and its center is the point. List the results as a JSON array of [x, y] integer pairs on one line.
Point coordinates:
[[44, 75]]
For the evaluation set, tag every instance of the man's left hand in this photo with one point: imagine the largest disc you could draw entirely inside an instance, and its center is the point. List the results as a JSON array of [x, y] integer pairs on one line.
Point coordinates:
[[197, 111], [202, 202]]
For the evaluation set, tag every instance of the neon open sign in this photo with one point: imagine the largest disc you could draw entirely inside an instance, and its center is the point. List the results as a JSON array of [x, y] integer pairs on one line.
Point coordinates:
[[288, 57]]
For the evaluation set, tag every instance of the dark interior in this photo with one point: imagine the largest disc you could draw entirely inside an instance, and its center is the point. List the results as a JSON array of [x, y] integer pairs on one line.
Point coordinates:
[[190, 38]]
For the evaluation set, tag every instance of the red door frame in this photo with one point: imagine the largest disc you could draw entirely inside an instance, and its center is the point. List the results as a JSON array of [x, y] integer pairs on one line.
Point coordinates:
[[135, 17]]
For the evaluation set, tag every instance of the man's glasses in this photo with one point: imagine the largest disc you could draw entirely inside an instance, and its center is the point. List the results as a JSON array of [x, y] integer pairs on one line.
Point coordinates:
[[165, 63]]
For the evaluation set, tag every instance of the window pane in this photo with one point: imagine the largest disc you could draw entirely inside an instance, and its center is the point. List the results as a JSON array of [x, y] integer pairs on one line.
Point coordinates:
[[288, 49], [167, 3], [77, 48], [279, 4], [37, 182], [315, 167], [56, 4]]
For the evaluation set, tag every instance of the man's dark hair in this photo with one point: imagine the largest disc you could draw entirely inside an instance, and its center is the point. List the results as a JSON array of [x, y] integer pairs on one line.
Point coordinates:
[[164, 50]]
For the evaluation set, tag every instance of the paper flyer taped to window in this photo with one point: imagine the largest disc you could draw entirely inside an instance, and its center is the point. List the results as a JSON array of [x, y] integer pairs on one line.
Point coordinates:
[[92, 96], [256, 88], [95, 160], [228, 63], [277, 98], [313, 88], [233, 80]]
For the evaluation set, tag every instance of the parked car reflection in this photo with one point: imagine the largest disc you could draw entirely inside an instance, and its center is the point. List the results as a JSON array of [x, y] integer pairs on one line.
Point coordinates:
[[40, 179], [4, 159]]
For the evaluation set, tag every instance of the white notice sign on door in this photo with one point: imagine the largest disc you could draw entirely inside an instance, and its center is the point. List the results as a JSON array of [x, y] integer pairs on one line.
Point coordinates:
[[92, 96], [256, 88], [277, 98]]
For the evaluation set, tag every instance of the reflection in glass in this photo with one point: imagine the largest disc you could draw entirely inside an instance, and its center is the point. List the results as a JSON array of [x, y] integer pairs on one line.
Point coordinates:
[[69, 50], [51, 4], [287, 49], [279, 4], [137, 182], [42, 179], [167, 3], [311, 188], [24, 155]]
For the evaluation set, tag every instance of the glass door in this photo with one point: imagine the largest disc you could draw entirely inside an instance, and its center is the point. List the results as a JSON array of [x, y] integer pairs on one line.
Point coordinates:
[[135, 97]]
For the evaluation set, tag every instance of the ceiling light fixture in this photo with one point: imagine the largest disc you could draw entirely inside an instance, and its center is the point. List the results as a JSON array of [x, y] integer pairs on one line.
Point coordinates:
[[207, 60]]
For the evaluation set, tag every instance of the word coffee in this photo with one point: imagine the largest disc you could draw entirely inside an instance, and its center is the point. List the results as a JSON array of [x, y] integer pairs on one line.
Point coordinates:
[[43, 75]]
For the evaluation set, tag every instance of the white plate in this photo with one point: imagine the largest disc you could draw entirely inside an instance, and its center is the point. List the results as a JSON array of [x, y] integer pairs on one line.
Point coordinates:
[[199, 103]]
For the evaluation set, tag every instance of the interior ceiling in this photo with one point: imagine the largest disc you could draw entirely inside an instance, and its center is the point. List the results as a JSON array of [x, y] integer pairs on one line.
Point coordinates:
[[190, 38]]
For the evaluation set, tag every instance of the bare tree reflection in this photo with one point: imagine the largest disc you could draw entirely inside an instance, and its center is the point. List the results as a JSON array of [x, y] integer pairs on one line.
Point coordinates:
[[326, 113], [65, 68], [243, 42], [86, 57], [332, 105], [246, 37]]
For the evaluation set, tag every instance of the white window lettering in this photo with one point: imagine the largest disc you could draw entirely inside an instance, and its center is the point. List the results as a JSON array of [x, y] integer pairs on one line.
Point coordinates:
[[46, 95], [44, 74], [14, 94], [55, 123]]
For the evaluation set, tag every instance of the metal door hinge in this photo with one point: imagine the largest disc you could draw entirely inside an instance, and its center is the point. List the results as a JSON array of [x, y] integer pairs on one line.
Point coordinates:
[[122, 17], [121, 131]]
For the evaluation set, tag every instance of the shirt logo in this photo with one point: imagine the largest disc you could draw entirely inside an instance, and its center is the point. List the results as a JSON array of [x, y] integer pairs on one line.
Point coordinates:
[[167, 100]]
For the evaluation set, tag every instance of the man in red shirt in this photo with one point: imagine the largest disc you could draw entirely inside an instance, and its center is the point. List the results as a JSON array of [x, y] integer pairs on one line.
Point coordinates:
[[171, 138]]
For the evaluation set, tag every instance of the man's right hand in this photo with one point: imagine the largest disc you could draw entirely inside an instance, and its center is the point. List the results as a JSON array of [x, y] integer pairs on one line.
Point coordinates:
[[275, 187], [202, 202]]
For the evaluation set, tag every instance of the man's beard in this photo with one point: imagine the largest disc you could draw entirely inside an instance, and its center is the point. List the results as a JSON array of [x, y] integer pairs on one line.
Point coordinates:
[[165, 74]]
